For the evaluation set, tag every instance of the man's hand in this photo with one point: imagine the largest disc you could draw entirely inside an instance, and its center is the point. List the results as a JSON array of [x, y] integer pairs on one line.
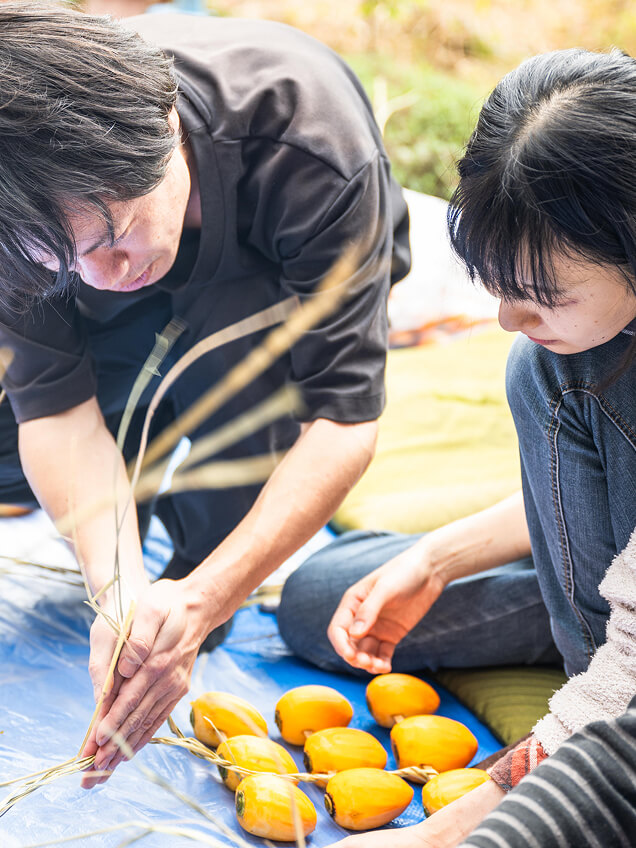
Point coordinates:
[[153, 672], [445, 829], [379, 610]]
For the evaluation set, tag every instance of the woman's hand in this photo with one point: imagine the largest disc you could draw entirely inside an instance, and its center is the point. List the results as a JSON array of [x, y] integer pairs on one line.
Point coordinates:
[[153, 672], [379, 610], [445, 829]]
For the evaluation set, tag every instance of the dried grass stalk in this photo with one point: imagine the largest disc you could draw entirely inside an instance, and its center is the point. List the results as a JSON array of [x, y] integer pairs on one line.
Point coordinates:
[[42, 778], [286, 401], [110, 675], [329, 294], [254, 323], [18, 567], [163, 344], [222, 474], [146, 829], [198, 749], [78, 763], [300, 317], [6, 358]]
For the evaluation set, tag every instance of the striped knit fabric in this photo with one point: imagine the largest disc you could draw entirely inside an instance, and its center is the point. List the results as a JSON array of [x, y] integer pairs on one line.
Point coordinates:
[[583, 796]]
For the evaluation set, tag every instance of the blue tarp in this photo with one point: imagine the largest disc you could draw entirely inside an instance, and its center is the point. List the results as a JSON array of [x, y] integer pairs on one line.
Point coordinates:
[[46, 703]]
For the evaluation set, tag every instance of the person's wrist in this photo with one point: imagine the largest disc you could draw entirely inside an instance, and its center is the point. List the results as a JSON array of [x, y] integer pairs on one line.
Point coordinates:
[[206, 600], [429, 561], [128, 588]]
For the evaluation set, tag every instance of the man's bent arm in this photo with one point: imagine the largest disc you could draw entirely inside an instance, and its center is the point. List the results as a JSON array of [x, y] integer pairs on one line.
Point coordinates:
[[174, 617], [72, 464], [299, 498]]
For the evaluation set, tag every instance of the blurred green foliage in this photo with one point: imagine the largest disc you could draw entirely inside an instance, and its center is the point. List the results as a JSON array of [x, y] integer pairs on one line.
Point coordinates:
[[424, 139]]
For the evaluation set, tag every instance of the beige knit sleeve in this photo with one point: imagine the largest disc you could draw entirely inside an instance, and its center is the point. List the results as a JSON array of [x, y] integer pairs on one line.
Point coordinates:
[[605, 689]]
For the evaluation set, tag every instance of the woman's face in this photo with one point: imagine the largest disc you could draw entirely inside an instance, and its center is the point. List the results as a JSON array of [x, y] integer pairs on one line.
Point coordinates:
[[596, 304]]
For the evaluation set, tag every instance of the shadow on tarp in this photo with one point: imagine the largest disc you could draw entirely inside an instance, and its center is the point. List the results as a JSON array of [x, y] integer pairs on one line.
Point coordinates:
[[46, 705]]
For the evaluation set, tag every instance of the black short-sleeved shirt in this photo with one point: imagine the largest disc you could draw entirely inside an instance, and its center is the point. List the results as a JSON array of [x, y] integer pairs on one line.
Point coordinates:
[[291, 171]]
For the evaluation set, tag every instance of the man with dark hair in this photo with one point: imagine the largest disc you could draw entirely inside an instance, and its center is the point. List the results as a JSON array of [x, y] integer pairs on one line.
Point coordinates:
[[218, 175]]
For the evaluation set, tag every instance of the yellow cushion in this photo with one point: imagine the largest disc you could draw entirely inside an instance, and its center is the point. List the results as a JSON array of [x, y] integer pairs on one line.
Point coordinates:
[[447, 445]]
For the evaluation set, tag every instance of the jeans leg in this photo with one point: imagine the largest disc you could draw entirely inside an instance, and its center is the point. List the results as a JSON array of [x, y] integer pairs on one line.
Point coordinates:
[[475, 622], [578, 456]]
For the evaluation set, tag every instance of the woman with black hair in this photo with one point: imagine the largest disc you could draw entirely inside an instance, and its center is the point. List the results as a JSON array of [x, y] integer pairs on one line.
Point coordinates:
[[545, 218]]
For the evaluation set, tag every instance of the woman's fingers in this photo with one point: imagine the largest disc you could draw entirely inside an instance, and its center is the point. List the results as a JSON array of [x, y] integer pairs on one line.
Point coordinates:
[[370, 609], [340, 624]]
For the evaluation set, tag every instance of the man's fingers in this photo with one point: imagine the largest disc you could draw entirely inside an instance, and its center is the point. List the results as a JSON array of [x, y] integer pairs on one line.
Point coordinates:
[[146, 625], [140, 721], [163, 709], [128, 700], [136, 741]]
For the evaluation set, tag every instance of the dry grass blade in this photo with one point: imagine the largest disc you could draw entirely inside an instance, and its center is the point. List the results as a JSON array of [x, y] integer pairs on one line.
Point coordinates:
[[221, 475], [331, 292], [420, 774], [41, 779], [77, 764], [174, 727], [91, 599], [283, 402], [306, 315], [198, 749], [263, 595], [169, 829], [297, 819], [286, 401], [108, 682], [17, 567], [57, 569], [384, 106], [254, 323], [163, 344], [26, 777], [6, 358]]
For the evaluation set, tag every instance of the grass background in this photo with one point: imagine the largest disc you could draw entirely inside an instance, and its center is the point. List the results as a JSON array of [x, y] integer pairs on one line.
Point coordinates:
[[440, 58]]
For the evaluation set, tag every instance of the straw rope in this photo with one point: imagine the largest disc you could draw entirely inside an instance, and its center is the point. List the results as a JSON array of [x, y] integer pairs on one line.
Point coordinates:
[[419, 774]]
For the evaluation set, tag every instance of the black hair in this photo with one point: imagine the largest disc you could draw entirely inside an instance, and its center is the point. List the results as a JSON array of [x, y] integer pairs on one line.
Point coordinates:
[[550, 170], [84, 107]]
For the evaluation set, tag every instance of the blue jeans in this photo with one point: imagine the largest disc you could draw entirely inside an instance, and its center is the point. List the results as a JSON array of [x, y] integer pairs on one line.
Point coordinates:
[[577, 442]]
